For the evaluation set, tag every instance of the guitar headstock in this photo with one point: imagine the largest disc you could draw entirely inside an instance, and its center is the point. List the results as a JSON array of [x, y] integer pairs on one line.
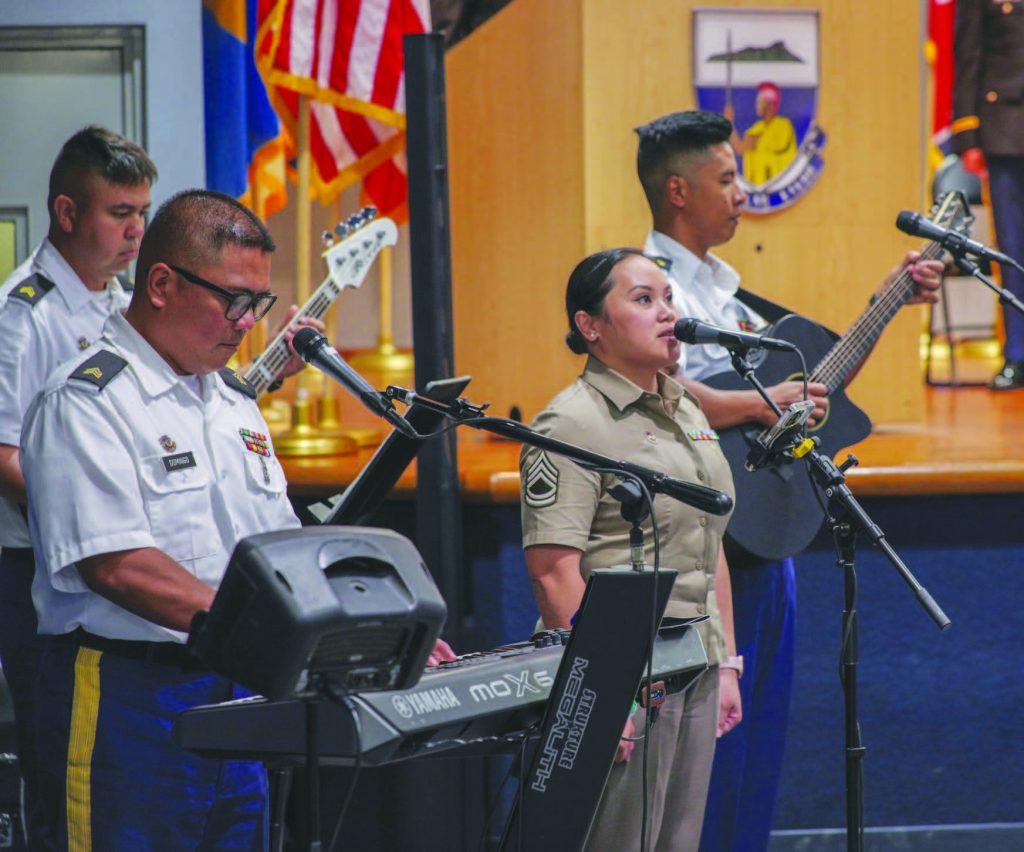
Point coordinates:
[[953, 211], [360, 239]]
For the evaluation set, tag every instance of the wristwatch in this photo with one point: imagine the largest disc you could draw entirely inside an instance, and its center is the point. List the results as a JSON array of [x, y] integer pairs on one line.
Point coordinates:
[[735, 663]]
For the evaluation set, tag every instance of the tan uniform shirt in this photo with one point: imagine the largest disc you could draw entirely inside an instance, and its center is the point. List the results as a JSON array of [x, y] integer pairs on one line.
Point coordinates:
[[564, 504]]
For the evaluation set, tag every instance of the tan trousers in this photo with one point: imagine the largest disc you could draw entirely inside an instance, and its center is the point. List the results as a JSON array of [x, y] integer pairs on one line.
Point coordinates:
[[679, 769]]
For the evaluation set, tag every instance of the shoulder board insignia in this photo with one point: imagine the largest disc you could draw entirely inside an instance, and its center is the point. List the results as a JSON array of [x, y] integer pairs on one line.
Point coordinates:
[[664, 262], [32, 289], [237, 381], [100, 368]]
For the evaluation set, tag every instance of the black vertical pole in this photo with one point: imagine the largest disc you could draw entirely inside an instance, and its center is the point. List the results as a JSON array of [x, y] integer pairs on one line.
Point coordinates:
[[438, 520], [456, 789]]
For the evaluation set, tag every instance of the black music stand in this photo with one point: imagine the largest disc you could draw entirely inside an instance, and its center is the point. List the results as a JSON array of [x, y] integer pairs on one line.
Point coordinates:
[[565, 771], [356, 505]]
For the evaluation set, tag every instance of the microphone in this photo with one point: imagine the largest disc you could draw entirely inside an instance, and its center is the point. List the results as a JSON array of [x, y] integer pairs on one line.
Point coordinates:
[[953, 241], [315, 349], [690, 330]]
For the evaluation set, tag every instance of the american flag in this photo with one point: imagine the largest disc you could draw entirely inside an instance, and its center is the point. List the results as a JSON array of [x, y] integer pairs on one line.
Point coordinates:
[[346, 56]]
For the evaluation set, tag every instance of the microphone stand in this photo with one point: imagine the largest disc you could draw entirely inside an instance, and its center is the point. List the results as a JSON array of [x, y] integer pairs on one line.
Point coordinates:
[[971, 268], [846, 518], [466, 414], [634, 510]]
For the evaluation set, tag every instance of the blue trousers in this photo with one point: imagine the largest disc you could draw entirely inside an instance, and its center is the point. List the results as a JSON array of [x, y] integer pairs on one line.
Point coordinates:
[[748, 760], [113, 778], [1006, 185], [20, 651]]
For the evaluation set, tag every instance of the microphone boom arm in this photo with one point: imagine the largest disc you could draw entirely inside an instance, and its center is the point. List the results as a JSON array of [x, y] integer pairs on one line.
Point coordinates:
[[706, 499], [1005, 296]]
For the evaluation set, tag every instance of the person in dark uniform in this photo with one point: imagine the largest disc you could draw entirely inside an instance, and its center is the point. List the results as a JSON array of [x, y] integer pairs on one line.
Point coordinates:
[[988, 133]]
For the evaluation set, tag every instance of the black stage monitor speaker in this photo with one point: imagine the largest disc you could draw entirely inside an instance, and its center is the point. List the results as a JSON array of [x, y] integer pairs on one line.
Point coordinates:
[[353, 606]]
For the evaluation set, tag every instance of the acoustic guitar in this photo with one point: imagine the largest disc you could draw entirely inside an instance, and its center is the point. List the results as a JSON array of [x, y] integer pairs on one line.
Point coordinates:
[[777, 511]]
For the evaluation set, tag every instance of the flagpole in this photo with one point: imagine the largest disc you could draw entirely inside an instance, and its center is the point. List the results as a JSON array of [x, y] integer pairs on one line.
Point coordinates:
[[302, 213], [385, 359], [304, 437]]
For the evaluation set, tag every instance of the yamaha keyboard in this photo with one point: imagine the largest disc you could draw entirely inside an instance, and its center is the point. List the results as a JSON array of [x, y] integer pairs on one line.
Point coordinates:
[[475, 704]]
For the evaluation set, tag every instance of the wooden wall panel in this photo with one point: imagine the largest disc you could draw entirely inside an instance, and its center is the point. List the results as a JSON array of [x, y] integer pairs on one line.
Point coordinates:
[[516, 155], [823, 256]]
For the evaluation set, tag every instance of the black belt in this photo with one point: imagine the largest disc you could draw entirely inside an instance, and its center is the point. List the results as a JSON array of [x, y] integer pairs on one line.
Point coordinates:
[[162, 653]]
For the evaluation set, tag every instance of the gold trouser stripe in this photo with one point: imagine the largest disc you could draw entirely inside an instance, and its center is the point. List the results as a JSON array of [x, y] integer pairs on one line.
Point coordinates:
[[85, 708]]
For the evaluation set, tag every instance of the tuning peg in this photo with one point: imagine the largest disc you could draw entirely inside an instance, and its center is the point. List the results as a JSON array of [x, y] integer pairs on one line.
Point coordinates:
[[341, 229], [327, 238]]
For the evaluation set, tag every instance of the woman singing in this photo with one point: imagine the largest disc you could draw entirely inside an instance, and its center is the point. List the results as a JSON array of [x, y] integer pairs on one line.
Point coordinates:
[[620, 313]]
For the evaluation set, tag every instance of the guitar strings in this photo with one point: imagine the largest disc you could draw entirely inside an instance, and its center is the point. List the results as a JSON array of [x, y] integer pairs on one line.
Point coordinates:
[[866, 329], [834, 366], [279, 355]]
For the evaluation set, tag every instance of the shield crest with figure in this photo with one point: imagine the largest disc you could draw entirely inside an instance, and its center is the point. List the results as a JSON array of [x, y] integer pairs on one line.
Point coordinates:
[[760, 69]]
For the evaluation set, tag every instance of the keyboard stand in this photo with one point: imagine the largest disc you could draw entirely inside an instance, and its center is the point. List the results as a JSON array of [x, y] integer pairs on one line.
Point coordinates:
[[589, 703]]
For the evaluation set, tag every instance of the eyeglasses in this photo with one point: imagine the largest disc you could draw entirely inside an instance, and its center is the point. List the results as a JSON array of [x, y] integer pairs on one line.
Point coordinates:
[[238, 303]]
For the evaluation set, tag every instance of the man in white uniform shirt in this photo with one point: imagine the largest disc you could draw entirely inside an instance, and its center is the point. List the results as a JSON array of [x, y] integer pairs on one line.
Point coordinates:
[[145, 462], [55, 306], [688, 172]]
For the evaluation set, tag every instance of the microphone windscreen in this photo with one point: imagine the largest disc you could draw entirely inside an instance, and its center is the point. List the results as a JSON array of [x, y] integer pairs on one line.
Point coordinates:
[[907, 220], [685, 329], [306, 342]]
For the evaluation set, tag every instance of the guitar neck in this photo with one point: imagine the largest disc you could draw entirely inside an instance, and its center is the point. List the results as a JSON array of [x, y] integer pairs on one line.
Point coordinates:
[[851, 348], [266, 369], [348, 262]]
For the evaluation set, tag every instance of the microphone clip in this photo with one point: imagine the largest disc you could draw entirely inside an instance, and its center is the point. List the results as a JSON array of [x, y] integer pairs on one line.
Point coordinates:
[[784, 440]]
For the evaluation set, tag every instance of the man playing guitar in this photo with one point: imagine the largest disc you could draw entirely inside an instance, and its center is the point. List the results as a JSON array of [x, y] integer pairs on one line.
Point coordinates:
[[688, 172]]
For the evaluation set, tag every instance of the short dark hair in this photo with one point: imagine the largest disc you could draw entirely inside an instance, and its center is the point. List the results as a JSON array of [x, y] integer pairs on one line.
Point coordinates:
[[192, 228], [589, 285], [97, 151], [665, 139]]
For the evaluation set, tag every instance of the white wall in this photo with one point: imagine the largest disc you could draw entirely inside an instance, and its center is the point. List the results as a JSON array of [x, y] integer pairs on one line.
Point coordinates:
[[173, 75]]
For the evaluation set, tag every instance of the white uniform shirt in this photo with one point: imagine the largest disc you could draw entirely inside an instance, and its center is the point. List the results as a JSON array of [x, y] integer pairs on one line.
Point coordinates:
[[37, 338], [704, 290], [141, 462]]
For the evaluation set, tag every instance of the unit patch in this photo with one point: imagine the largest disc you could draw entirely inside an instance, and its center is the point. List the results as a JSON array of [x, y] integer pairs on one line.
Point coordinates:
[[255, 442], [178, 462], [541, 483], [702, 434]]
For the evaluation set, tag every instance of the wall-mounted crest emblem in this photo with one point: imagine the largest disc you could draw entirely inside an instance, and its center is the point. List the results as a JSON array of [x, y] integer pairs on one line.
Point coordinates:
[[760, 69]]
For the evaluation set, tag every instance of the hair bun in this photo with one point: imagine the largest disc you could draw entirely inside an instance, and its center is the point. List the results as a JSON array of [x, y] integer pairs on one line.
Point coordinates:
[[574, 340]]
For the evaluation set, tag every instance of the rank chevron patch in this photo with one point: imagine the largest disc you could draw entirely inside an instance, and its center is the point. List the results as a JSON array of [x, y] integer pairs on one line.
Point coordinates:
[[541, 483]]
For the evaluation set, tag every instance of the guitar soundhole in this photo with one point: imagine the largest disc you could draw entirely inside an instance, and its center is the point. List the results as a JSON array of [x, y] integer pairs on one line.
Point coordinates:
[[799, 377]]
